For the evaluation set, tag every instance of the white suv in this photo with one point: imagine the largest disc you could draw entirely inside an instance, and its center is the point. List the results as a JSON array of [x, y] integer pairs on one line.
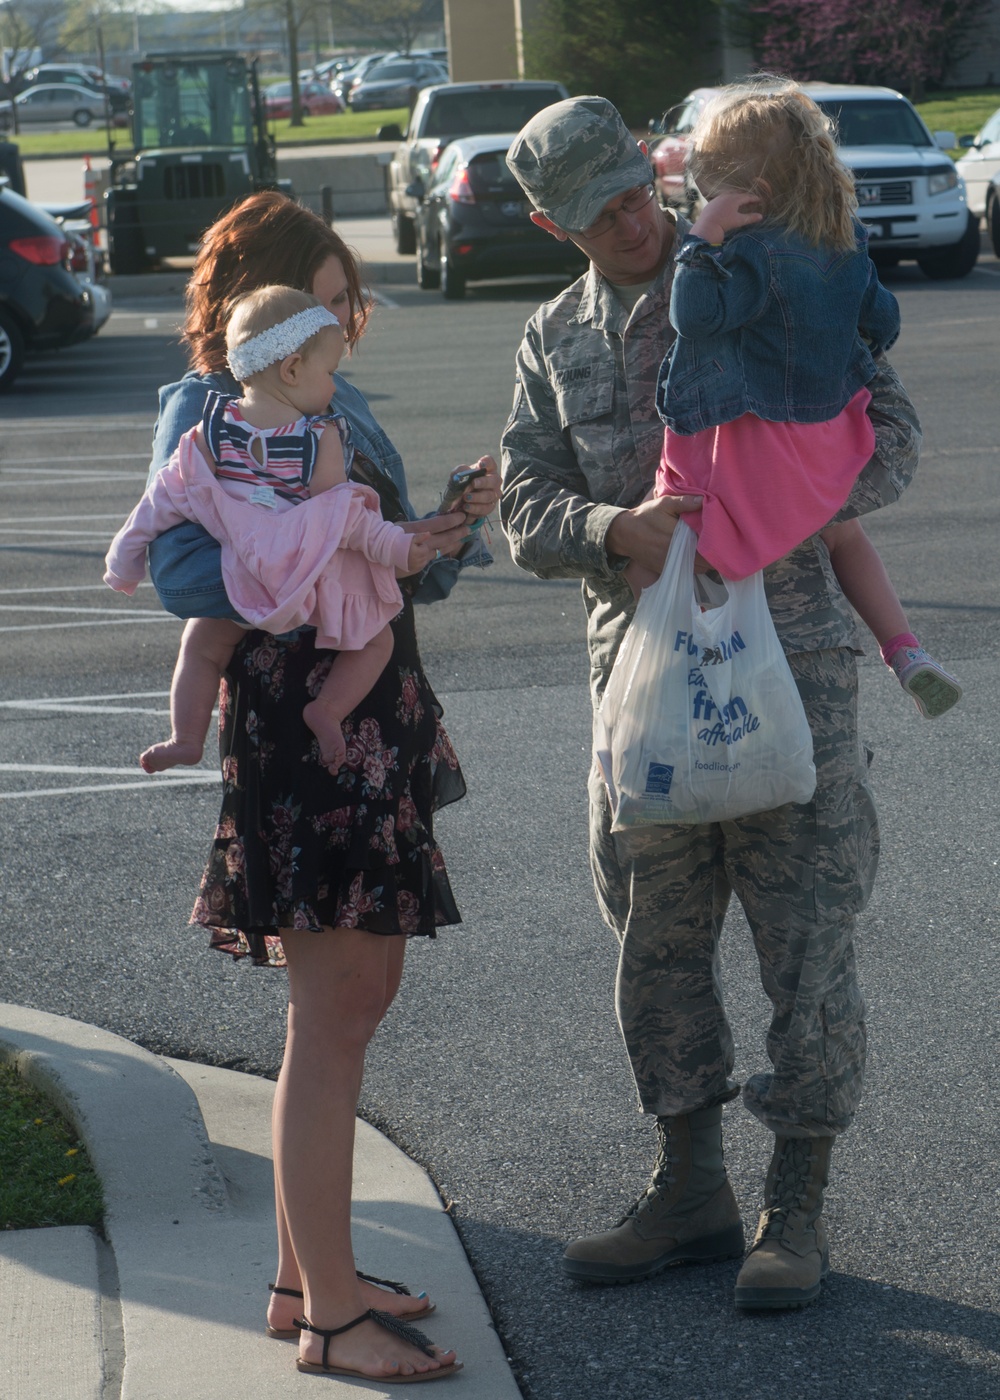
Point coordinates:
[[910, 196]]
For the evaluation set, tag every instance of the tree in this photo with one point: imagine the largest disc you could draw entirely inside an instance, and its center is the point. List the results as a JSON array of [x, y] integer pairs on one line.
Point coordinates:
[[27, 27], [392, 24], [294, 15], [643, 55], [910, 44]]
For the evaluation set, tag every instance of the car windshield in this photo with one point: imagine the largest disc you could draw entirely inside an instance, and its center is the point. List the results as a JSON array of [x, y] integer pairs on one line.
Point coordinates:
[[486, 113], [874, 121], [281, 89], [383, 71]]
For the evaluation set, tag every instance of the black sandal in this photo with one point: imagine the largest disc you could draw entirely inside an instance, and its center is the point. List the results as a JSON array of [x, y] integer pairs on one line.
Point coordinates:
[[403, 1330], [289, 1334]]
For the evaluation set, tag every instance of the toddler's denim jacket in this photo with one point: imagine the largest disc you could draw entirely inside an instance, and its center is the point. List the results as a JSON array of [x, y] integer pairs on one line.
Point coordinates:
[[768, 324]]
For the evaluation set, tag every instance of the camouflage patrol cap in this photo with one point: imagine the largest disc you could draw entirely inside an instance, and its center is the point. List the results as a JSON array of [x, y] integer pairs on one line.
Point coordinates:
[[573, 157]]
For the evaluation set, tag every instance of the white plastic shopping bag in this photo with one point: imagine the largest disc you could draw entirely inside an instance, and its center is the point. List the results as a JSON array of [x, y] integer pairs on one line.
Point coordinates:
[[701, 720]]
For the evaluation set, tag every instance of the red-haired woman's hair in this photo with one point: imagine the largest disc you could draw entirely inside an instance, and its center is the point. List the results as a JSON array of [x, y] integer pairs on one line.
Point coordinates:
[[266, 239]]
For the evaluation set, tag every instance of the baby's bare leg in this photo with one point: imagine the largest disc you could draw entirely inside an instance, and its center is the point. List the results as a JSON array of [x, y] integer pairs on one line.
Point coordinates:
[[351, 677], [206, 646]]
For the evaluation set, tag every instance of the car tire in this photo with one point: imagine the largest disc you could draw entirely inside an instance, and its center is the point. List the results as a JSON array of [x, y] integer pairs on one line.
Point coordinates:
[[955, 260], [11, 351], [428, 278], [993, 221], [403, 232], [452, 281], [82, 117]]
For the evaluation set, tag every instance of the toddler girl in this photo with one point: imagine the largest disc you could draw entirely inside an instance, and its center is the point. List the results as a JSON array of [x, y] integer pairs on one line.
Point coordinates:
[[332, 564], [779, 311]]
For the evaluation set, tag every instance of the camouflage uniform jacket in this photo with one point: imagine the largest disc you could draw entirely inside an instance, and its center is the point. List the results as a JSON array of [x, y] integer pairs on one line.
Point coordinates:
[[583, 440]]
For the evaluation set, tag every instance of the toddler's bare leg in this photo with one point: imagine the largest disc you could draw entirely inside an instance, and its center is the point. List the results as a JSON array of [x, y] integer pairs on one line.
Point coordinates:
[[351, 677], [206, 646]]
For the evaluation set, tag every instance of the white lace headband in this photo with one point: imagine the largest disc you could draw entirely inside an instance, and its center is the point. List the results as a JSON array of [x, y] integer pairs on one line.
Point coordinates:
[[278, 341]]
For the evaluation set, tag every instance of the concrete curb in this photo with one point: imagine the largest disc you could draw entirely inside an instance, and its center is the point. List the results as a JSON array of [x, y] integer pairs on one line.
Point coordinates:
[[140, 1122], [177, 1308]]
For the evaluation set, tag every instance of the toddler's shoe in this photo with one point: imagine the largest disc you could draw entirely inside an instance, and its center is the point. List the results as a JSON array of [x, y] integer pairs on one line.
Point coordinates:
[[933, 690]]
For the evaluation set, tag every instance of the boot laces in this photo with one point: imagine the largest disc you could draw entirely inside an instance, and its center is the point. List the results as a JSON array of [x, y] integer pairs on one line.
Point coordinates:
[[663, 1172], [792, 1180]]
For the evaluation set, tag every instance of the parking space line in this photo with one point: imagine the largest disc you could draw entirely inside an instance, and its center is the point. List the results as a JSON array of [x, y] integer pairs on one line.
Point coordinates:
[[146, 784], [68, 608], [124, 620], [86, 704], [80, 457]]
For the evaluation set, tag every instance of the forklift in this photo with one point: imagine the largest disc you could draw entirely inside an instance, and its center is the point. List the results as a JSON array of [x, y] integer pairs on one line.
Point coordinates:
[[200, 144]]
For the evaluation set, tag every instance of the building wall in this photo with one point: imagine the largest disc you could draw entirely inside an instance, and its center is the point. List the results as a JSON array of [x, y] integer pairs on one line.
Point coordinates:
[[482, 37]]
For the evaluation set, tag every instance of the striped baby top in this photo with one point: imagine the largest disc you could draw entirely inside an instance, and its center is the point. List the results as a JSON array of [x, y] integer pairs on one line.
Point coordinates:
[[262, 464]]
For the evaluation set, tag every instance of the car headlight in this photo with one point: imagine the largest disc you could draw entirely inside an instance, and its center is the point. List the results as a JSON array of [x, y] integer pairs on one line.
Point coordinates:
[[944, 180]]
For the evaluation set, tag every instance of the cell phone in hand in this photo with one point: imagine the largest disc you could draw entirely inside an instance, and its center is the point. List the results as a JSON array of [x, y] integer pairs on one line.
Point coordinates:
[[459, 482]]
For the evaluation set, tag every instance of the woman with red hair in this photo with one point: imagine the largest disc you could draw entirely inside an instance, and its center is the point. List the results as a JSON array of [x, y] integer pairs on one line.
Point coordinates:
[[325, 875]]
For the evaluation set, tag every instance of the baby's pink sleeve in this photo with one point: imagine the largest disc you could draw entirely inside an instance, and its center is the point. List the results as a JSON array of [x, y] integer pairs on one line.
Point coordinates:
[[380, 541], [161, 507]]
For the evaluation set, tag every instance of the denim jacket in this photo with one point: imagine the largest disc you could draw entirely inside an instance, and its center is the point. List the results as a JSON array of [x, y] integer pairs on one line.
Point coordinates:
[[184, 562], [768, 324]]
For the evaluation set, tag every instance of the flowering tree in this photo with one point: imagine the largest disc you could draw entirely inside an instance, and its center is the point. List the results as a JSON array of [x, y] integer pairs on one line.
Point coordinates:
[[902, 43]]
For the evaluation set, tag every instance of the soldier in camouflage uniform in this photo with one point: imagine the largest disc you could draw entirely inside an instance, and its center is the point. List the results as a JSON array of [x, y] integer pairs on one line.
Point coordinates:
[[580, 452]]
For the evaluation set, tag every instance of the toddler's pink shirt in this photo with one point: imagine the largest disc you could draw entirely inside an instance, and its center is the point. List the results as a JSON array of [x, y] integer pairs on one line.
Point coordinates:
[[766, 486]]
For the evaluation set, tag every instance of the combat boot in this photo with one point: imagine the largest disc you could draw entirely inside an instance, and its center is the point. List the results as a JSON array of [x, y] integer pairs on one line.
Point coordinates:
[[790, 1256], [687, 1215]]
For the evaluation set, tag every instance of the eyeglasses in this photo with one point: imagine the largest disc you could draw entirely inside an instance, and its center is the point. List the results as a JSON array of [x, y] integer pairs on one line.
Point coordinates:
[[631, 204]]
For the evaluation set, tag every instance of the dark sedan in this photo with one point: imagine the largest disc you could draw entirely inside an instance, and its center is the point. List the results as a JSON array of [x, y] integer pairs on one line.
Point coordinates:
[[472, 222], [391, 84], [42, 305]]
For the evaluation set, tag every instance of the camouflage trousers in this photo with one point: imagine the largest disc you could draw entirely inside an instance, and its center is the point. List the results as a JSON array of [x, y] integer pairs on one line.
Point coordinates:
[[802, 873]]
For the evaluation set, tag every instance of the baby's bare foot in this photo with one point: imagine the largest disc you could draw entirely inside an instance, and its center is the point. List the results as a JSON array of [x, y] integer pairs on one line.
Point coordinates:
[[171, 754], [327, 725]]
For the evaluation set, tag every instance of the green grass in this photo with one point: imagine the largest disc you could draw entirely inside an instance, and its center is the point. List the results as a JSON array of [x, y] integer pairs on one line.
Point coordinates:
[[962, 112], [345, 126], [45, 1174]]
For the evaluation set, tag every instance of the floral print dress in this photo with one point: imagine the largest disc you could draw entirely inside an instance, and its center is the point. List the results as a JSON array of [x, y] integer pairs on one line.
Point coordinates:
[[299, 847]]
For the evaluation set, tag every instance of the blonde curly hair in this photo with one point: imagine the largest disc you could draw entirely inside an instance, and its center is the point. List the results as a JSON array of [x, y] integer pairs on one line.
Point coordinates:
[[768, 137]]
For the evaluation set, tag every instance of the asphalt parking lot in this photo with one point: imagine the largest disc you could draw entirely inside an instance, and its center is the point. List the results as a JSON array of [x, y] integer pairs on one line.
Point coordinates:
[[500, 1068]]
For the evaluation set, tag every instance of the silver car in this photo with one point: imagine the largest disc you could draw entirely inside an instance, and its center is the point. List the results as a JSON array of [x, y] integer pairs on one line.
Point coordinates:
[[58, 102]]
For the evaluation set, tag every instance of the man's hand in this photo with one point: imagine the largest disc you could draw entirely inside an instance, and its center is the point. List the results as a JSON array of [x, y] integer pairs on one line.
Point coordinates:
[[643, 533]]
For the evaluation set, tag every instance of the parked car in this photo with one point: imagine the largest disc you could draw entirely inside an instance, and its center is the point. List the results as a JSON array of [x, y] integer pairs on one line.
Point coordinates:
[[42, 304], [391, 84], [83, 74], [980, 163], [473, 222], [910, 195], [443, 113], [349, 77], [317, 100], [668, 148], [85, 261], [993, 212], [58, 102]]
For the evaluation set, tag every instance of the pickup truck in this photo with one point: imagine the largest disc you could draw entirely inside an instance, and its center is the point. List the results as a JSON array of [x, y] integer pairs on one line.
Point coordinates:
[[440, 114]]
